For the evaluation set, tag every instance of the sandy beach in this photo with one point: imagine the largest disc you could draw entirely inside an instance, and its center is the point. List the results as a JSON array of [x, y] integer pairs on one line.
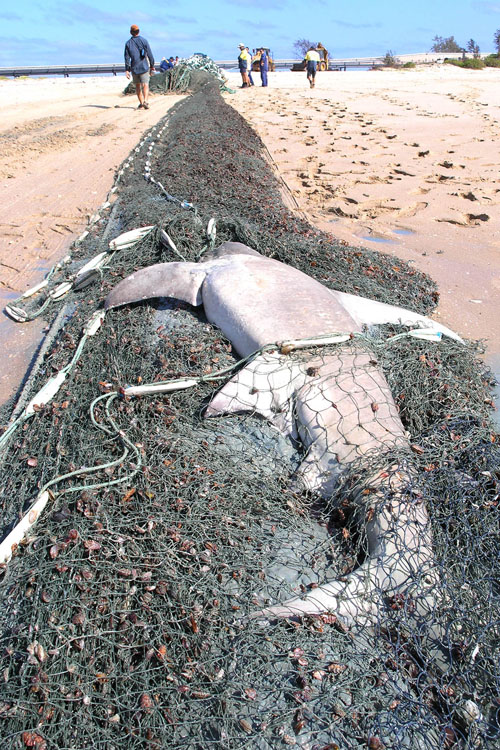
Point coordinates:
[[405, 162]]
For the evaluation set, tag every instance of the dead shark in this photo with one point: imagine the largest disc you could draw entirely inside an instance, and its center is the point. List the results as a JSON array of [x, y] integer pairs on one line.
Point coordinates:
[[339, 405]]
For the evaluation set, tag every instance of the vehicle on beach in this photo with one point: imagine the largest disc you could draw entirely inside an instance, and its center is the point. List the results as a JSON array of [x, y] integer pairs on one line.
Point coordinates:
[[256, 59], [322, 65]]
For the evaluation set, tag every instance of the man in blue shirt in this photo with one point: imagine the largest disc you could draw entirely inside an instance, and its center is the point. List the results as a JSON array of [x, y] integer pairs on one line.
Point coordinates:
[[140, 62], [264, 66]]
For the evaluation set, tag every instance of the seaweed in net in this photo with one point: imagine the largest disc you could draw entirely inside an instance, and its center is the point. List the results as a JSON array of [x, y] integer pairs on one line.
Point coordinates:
[[122, 610]]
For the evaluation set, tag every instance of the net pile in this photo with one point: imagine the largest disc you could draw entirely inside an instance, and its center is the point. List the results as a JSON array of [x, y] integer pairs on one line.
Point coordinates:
[[123, 613], [189, 75]]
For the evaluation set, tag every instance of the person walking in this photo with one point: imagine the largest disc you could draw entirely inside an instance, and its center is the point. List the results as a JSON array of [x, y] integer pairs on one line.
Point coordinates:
[[242, 65], [264, 66], [139, 62], [312, 60]]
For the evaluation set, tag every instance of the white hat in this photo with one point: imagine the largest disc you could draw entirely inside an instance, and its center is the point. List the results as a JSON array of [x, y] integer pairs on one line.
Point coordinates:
[[241, 45]]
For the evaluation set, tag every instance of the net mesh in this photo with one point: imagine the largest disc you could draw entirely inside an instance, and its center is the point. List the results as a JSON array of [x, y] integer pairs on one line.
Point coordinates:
[[126, 617]]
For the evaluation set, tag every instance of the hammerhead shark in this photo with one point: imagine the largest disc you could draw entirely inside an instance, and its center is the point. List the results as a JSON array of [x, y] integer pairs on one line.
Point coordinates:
[[338, 404]]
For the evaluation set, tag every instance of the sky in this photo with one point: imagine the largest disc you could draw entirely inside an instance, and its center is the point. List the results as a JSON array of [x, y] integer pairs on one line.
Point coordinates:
[[61, 32]]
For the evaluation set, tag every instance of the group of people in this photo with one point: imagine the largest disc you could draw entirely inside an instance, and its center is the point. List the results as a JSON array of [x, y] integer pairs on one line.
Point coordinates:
[[245, 61], [140, 64]]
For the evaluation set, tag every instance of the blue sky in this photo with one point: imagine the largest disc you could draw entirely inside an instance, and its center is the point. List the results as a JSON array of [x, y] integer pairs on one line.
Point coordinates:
[[43, 32]]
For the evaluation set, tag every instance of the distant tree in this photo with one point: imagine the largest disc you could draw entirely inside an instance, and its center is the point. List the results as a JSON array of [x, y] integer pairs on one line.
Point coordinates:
[[496, 40], [390, 59], [473, 48], [300, 47], [446, 44]]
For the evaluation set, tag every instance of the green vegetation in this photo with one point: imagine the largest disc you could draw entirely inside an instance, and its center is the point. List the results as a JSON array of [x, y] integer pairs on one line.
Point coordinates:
[[473, 48], [445, 44], [409, 65], [492, 61], [496, 40], [474, 63]]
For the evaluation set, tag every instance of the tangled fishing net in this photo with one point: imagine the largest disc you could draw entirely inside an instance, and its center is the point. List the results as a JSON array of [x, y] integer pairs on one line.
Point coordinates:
[[124, 611], [189, 75]]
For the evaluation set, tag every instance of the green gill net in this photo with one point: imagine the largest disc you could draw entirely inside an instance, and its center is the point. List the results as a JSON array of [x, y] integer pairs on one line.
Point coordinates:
[[123, 619]]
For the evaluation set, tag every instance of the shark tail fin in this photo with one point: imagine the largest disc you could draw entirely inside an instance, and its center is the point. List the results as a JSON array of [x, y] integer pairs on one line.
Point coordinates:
[[182, 280]]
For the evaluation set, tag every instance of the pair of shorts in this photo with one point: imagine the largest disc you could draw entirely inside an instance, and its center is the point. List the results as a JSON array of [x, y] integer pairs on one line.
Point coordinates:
[[140, 77], [311, 68]]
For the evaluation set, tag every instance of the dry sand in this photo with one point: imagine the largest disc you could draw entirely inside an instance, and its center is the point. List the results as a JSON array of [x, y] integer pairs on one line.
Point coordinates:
[[406, 162]]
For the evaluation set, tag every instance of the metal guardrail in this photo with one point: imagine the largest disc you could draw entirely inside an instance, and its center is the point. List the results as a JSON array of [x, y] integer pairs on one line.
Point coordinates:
[[65, 70], [334, 64], [114, 68]]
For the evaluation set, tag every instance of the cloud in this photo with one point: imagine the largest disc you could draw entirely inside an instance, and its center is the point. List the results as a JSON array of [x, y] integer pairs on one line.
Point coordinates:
[[37, 51], [10, 17], [181, 19], [269, 5], [490, 8], [78, 13], [347, 25], [257, 26]]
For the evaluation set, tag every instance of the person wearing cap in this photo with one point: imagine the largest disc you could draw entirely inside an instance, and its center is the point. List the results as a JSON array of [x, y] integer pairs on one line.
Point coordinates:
[[139, 62], [312, 60], [243, 59]]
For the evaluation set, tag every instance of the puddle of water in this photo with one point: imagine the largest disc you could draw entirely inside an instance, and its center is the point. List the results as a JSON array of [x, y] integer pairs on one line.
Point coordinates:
[[375, 238], [42, 268], [403, 231]]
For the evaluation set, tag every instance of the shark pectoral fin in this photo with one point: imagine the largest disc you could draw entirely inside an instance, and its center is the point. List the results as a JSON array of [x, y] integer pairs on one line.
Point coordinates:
[[370, 312], [264, 386], [181, 281]]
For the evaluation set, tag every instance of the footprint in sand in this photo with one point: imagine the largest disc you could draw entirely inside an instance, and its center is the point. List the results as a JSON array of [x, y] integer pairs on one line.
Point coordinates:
[[414, 208], [467, 220]]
